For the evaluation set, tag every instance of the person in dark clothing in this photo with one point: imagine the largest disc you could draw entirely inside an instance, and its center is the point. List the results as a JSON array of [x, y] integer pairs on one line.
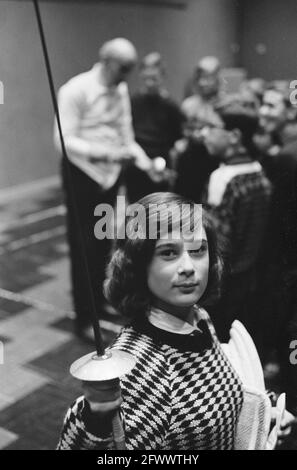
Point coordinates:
[[193, 164], [238, 197], [96, 124], [157, 123], [80, 230], [279, 159], [200, 106]]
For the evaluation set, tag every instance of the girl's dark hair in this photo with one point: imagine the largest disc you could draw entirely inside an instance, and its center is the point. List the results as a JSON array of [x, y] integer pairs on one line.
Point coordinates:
[[126, 285]]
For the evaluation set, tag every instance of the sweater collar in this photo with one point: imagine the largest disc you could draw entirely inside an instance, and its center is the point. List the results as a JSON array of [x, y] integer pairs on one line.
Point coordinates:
[[198, 340], [172, 324]]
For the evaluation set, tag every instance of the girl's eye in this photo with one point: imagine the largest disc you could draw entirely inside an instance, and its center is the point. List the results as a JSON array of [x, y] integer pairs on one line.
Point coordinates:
[[199, 251], [168, 254]]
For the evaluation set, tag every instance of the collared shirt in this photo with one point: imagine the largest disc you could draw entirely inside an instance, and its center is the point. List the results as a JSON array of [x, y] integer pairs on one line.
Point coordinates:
[[172, 324], [92, 113]]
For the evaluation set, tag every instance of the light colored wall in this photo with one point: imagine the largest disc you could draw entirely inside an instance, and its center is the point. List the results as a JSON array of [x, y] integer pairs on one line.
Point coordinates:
[[74, 30]]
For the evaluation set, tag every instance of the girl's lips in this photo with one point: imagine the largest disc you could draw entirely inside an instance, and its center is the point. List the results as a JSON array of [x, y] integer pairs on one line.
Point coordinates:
[[187, 284], [187, 288]]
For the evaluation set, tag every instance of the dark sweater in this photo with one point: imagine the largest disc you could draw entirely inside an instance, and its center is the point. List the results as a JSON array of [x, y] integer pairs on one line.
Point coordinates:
[[182, 394]]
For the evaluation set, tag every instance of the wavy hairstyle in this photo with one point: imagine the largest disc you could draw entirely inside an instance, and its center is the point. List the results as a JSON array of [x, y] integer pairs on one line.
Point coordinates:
[[126, 284]]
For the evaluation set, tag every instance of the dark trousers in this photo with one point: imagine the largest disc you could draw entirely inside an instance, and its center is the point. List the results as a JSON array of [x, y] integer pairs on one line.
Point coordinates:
[[82, 195]]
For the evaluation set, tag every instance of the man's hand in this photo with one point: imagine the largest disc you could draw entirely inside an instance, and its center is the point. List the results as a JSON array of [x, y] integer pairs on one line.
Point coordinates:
[[141, 159], [159, 173]]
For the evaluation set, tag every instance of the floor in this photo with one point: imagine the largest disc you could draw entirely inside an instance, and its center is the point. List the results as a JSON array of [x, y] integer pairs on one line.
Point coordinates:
[[37, 345], [35, 322]]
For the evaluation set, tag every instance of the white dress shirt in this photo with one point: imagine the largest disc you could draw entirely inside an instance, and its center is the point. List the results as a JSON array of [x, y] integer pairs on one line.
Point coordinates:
[[93, 114]]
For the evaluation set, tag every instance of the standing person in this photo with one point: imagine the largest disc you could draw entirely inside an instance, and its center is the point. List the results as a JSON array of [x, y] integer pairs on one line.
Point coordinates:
[[238, 197], [157, 122], [193, 164], [277, 118], [200, 107], [96, 123], [183, 393]]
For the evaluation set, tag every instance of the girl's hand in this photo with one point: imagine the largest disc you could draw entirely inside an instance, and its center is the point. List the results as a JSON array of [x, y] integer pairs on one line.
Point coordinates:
[[287, 422], [104, 398]]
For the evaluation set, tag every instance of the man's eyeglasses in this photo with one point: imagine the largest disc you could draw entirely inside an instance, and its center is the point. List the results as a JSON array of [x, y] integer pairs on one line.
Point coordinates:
[[126, 68]]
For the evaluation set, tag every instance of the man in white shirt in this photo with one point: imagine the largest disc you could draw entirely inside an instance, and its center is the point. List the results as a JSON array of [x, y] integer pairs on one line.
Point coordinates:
[[97, 129]]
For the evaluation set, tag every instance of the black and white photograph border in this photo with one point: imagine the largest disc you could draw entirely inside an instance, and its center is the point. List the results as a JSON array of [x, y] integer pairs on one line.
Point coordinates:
[[108, 100]]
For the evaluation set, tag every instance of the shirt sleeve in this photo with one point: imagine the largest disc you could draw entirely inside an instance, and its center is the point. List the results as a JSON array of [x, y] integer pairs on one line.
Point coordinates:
[[82, 431], [70, 102]]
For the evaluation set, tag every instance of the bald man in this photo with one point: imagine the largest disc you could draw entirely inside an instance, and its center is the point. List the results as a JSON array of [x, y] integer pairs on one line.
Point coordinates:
[[99, 140]]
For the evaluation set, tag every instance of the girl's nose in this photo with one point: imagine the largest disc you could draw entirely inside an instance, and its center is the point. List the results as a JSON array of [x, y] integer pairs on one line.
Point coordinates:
[[186, 266]]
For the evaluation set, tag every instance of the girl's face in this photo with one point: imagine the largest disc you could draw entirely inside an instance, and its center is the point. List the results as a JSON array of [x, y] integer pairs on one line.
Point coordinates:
[[178, 273]]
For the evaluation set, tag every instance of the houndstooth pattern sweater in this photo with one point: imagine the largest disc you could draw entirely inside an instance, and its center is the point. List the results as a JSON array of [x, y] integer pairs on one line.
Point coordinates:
[[183, 394]]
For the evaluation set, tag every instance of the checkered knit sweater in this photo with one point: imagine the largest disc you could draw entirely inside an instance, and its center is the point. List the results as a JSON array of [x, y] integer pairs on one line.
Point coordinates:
[[182, 394], [239, 200]]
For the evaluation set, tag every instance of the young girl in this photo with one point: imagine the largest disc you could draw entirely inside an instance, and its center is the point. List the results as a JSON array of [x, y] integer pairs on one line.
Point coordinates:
[[183, 392]]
